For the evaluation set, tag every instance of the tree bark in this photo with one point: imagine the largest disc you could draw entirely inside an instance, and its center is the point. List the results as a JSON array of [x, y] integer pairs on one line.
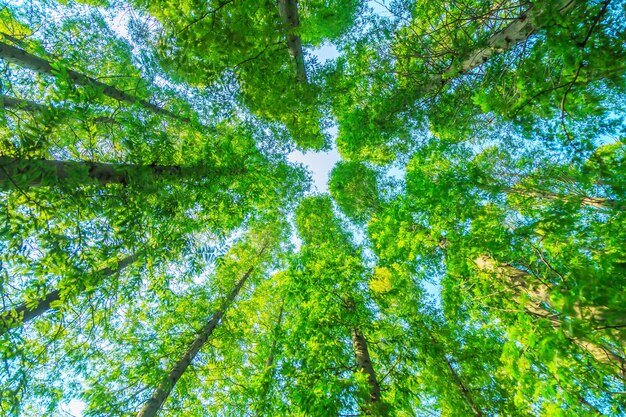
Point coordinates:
[[7, 102], [462, 388], [27, 173], [25, 59], [364, 364], [152, 406], [288, 10], [520, 281], [516, 32], [26, 312], [597, 202], [19, 104], [269, 364]]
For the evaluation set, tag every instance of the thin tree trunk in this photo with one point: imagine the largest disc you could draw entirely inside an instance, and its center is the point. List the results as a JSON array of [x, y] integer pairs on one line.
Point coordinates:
[[464, 391], [597, 202], [364, 364], [19, 104], [152, 406], [462, 388], [289, 13], [7, 102], [40, 172], [516, 32], [26, 312], [539, 296], [25, 59], [269, 364]]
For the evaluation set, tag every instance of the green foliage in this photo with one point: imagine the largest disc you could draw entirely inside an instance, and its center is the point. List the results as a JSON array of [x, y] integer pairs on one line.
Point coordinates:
[[353, 186], [149, 214]]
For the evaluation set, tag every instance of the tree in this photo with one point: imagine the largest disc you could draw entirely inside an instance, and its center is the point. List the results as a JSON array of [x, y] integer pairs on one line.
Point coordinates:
[[18, 56], [160, 255]]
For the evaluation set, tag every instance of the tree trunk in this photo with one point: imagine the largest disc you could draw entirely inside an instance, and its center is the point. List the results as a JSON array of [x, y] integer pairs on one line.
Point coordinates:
[[27, 173], [364, 364], [520, 281], [462, 388], [516, 32], [153, 404], [26, 312], [7, 102], [269, 365], [597, 202], [288, 10], [20, 57], [19, 104]]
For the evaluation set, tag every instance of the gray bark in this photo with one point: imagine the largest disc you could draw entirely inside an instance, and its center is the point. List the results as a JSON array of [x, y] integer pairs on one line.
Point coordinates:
[[515, 33], [24, 312], [17, 172], [520, 282], [152, 406], [25, 59], [597, 202], [289, 13], [364, 364], [33, 107], [269, 364]]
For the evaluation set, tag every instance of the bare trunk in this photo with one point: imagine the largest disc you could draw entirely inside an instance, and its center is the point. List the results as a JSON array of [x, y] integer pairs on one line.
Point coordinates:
[[20, 57], [19, 104], [152, 406], [539, 298], [26, 312], [17, 172], [364, 364], [518, 31], [289, 13]]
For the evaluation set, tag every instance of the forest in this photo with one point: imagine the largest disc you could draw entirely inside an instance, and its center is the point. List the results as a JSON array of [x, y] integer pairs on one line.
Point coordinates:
[[162, 254]]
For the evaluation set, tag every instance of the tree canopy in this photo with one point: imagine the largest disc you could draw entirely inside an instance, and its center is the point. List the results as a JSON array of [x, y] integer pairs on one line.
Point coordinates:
[[161, 256]]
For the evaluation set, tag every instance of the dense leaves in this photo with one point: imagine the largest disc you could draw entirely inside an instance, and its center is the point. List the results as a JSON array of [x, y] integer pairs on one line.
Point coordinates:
[[160, 255]]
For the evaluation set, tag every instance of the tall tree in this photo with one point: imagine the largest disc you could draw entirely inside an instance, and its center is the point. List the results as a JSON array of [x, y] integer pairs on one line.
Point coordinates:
[[15, 55]]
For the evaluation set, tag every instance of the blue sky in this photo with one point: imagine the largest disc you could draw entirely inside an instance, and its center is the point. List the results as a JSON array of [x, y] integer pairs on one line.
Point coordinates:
[[320, 163]]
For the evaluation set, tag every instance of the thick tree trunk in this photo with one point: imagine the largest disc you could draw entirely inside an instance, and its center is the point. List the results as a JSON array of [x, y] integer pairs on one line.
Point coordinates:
[[20, 57], [7, 102], [25, 173], [289, 13], [520, 281], [26, 312], [154, 403], [516, 32], [364, 364]]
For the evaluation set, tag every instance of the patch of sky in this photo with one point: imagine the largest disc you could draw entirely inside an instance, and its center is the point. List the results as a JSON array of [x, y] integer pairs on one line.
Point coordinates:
[[318, 163]]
